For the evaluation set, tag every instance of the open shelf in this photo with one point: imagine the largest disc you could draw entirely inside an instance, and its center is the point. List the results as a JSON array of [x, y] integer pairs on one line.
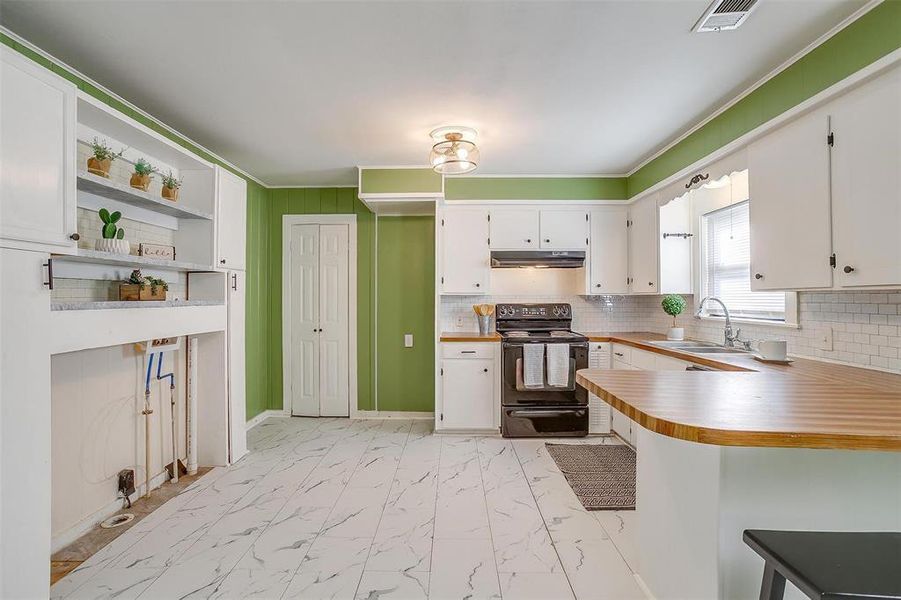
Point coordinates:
[[113, 304], [83, 255], [106, 188]]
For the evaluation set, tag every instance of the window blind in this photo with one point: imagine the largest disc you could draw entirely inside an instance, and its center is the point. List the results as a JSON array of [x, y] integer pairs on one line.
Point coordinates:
[[726, 240]]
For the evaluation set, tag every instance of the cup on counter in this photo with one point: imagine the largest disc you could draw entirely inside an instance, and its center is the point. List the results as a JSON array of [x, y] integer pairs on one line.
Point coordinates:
[[772, 349], [484, 324]]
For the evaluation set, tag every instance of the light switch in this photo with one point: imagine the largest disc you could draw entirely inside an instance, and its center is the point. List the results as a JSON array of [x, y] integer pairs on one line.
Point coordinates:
[[408, 340], [459, 322], [826, 338]]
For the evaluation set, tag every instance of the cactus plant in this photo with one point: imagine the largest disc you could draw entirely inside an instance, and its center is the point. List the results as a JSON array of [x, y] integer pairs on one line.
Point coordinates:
[[110, 231]]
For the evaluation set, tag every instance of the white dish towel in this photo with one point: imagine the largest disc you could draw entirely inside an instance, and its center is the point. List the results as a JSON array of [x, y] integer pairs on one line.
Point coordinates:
[[533, 365], [558, 365]]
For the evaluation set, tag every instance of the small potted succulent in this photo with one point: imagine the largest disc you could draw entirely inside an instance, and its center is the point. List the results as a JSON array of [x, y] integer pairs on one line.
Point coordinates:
[[112, 237], [143, 287], [171, 184], [103, 156], [144, 171], [673, 305]]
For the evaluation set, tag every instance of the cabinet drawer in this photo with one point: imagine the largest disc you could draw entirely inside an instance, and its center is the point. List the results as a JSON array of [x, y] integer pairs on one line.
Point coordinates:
[[464, 350], [622, 353], [644, 360]]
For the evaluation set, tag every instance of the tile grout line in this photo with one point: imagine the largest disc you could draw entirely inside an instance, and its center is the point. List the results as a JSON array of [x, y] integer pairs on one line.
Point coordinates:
[[497, 573], [435, 509]]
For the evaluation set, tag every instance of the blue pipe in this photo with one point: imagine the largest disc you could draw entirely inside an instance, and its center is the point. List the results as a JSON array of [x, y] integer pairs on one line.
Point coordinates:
[[159, 368], [149, 369]]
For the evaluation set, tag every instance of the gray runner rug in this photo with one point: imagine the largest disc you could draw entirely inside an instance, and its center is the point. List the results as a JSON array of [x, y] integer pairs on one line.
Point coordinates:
[[602, 476]]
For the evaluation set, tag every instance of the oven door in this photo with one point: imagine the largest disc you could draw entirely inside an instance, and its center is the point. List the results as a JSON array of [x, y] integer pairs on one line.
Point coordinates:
[[563, 421], [514, 393]]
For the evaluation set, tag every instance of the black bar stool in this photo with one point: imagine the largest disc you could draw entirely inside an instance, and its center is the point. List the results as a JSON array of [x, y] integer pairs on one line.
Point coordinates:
[[829, 565]]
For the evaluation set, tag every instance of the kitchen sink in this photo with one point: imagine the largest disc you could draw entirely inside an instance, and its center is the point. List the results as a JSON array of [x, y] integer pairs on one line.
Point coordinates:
[[696, 347], [712, 350]]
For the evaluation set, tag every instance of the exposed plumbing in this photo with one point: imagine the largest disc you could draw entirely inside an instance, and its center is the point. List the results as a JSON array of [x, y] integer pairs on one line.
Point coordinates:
[[147, 412], [174, 412]]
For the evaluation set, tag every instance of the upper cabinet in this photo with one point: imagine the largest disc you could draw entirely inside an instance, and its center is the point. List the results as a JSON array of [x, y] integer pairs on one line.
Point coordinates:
[[231, 220], [866, 184], [515, 228], [564, 229], [608, 258], [643, 246], [674, 246], [464, 254], [37, 157]]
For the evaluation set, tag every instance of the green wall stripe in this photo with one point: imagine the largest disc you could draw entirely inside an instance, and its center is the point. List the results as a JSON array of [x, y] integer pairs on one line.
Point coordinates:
[[400, 181], [864, 41], [535, 188]]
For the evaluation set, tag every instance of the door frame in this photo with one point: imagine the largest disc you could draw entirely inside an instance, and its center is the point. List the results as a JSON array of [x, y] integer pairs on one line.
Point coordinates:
[[351, 221]]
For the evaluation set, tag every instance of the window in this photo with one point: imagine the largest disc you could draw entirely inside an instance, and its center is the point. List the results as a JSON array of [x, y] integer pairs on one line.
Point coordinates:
[[726, 267]]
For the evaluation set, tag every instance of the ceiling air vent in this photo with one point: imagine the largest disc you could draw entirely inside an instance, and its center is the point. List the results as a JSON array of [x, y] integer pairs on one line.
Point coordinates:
[[724, 15]]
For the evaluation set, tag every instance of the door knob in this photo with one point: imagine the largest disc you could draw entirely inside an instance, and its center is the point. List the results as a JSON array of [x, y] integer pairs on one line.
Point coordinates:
[[848, 269], [75, 236], [222, 261], [650, 283], [758, 276]]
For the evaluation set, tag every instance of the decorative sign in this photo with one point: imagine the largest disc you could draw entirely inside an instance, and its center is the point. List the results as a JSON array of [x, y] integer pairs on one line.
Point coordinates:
[[157, 251]]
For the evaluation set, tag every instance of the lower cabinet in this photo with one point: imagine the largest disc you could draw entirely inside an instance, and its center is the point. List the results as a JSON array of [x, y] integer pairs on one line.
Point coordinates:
[[469, 387]]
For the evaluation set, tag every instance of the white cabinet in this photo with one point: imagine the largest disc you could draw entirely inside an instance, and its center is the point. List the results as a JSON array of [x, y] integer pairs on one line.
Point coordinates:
[[564, 229], [236, 366], [644, 360], [866, 184], [231, 220], [788, 173], [514, 228], [469, 387], [674, 246], [464, 254], [37, 157], [621, 424], [667, 363], [609, 251], [643, 246]]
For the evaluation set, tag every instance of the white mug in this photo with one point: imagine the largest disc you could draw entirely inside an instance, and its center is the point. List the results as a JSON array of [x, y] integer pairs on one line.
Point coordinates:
[[772, 349]]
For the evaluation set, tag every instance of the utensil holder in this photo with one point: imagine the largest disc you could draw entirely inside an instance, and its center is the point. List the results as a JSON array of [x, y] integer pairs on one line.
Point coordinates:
[[484, 324]]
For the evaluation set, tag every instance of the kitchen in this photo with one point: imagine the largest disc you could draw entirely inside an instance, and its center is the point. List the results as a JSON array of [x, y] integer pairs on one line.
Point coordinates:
[[549, 358]]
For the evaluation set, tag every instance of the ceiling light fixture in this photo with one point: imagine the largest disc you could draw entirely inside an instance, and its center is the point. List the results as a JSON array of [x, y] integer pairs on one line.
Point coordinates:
[[454, 152]]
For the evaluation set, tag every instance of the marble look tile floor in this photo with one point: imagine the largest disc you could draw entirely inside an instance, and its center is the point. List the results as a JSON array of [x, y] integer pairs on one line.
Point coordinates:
[[334, 508]]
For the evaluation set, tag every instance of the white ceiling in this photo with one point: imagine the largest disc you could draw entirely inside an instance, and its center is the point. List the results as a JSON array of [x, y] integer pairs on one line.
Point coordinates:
[[298, 93]]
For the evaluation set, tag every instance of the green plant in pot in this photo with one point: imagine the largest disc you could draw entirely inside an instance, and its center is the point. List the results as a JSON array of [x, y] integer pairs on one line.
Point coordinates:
[[144, 171], [102, 159], [171, 185], [674, 305], [112, 237], [143, 287]]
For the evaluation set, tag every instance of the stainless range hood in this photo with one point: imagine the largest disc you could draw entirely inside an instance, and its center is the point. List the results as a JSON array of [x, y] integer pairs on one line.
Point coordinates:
[[548, 259]]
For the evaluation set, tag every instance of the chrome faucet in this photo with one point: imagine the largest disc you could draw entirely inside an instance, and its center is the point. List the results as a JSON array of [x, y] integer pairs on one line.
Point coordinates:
[[729, 338]]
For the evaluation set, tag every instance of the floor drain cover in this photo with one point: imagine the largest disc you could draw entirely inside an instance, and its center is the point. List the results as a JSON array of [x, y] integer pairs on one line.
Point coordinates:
[[117, 521]]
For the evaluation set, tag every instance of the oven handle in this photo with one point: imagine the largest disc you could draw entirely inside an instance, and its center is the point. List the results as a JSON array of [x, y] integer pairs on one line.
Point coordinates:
[[542, 413]]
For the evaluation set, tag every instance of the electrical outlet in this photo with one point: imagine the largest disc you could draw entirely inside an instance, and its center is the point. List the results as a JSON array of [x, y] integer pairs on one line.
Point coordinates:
[[459, 322], [826, 338], [408, 340]]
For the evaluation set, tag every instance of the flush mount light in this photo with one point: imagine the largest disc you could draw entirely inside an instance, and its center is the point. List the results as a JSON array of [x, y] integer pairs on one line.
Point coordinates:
[[454, 152]]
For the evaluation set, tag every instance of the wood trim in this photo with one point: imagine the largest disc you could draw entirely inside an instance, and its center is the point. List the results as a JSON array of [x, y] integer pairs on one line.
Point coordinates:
[[460, 336]]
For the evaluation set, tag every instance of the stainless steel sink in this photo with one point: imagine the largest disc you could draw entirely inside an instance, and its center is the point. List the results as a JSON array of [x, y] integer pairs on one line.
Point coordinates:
[[691, 347], [712, 350]]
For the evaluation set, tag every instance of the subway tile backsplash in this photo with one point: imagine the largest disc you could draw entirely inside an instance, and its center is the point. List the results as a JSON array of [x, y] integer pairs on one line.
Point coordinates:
[[865, 326]]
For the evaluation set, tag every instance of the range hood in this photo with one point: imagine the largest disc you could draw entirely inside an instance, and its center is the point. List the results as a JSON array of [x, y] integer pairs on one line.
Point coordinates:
[[549, 259]]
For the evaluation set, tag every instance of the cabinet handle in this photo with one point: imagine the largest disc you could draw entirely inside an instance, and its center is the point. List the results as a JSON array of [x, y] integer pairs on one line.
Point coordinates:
[[478, 285], [484, 370], [547, 241], [49, 265], [75, 237], [528, 241], [618, 353], [650, 283], [235, 282], [758, 276], [848, 269], [597, 285], [222, 261], [467, 351]]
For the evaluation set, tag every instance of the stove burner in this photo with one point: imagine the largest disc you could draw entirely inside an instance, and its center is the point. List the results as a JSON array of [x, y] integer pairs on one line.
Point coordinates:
[[517, 333]]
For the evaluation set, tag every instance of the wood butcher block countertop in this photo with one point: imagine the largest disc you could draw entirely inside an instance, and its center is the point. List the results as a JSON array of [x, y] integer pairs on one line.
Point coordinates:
[[808, 404], [468, 336]]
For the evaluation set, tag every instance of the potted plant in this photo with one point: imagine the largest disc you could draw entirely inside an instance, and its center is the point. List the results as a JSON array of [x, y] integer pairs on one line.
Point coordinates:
[[102, 159], [170, 186], [144, 171], [673, 305], [112, 237], [143, 287]]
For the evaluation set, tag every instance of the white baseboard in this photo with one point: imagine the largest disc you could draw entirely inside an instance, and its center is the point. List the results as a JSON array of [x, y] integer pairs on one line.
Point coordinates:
[[262, 417], [393, 414]]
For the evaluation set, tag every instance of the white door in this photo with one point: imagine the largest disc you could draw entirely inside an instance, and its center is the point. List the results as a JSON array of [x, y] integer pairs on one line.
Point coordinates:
[[788, 179], [237, 396], [37, 156], [866, 183], [465, 258], [643, 246], [467, 390], [609, 258], [514, 228], [564, 230], [304, 298], [231, 220], [333, 321]]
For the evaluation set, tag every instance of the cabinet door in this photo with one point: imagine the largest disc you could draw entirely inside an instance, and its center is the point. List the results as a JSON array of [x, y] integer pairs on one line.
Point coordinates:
[[236, 366], [37, 157], [467, 392], [667, 363], [643, 246], [514, 228], [609, 256], [646, 361], [619, 423], [788, 181], [464, 251], [675, 251], [231, 220], [564, 229], [866, 184]]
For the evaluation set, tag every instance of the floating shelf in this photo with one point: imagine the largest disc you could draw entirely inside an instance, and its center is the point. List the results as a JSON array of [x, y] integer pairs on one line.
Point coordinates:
[[128, 260], [101, 186], [108, 305]]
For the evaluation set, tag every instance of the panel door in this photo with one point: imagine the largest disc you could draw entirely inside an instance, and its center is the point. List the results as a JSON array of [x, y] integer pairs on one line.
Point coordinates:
[[333, 321], [465, 266], [232, 220], [514, 229], [866, 184], [37, 157], [304, 343], [609, 256], [467, 393], [643, 246], [237, 396], [788, 180], [564, 230], [674, 252]]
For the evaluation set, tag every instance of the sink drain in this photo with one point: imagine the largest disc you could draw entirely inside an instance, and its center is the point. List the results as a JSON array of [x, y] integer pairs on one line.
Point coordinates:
[[117, 521]]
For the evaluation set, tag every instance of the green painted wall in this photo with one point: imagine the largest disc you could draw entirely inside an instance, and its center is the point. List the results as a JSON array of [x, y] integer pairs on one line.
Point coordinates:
[[867, 39], [406, 304], [535, 188], [257, 358], [400, 181]]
